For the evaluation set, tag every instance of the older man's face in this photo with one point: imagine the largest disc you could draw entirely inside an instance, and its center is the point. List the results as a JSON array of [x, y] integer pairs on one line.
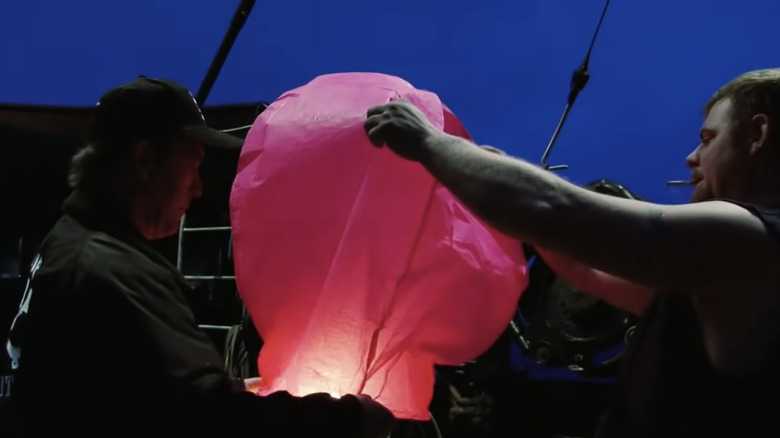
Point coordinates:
[[174, 186]]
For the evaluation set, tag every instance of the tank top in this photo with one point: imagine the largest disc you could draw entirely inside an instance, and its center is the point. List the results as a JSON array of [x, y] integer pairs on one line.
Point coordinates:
[[669, 389]]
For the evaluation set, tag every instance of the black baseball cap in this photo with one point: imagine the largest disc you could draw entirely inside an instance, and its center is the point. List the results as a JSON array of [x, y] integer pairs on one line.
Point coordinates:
[[154, 109]]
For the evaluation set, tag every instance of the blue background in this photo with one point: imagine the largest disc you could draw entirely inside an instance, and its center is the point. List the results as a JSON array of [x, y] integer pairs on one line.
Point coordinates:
[[503, 66]]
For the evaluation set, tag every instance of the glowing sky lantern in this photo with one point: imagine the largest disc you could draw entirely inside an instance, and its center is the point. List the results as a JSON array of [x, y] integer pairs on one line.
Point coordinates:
[[358, 269]]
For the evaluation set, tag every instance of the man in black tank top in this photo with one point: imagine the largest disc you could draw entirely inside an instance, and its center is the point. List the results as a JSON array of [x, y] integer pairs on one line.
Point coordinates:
[[705, 276]]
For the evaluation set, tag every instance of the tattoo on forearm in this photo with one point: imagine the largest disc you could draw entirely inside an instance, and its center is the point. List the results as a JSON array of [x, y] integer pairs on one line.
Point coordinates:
[[655, 216]]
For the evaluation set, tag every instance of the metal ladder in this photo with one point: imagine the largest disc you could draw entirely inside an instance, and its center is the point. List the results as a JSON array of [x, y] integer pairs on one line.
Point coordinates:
[[183, 229]]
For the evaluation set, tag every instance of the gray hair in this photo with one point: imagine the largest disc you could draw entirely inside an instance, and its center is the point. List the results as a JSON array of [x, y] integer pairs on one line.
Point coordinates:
[[95, 167]]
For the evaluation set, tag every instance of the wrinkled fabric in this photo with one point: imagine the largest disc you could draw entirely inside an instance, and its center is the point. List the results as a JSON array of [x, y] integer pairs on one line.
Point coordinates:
[[358, 269]]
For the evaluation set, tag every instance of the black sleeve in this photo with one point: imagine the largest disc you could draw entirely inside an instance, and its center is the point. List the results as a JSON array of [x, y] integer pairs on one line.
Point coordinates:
[[185, 365]]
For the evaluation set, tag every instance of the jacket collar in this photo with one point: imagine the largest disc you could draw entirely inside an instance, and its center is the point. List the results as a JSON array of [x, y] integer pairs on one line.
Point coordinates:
[[100, 213], [105, 214]]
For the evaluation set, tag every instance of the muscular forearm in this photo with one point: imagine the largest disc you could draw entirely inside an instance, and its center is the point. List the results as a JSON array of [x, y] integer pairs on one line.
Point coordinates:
[[516, 197], [620, 293], [673, 248], [512, 196], [546, 211]]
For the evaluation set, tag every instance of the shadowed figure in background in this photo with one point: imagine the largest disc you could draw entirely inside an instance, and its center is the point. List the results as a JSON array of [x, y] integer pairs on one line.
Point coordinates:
[[700, 362], [104, 341]]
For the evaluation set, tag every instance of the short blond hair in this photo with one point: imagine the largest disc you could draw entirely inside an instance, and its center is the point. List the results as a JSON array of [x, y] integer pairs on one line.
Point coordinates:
[[751, 93]]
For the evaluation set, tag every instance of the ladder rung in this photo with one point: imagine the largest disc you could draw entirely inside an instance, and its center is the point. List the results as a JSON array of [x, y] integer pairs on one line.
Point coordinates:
[[203, 229], [214, 327], [210, 277]]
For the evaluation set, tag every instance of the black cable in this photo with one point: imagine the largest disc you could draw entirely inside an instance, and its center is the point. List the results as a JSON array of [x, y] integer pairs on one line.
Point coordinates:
[[239, 18], [579, 79]]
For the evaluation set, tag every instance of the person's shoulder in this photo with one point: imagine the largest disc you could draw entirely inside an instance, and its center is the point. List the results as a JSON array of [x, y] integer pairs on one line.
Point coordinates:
[[755, 209], [71, 246], [769, 215], [100, 246], [104, 258]]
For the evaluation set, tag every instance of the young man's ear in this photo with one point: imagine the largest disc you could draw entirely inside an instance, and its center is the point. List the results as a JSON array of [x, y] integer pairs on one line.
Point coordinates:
[[758, 132]]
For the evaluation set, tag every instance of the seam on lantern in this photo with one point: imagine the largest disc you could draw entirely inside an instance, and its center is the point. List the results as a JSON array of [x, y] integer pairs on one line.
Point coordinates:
[[371, 370], [340, 244]]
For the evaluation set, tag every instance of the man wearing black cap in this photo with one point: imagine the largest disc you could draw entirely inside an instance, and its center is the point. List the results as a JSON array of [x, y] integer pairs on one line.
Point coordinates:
[[105, 344]]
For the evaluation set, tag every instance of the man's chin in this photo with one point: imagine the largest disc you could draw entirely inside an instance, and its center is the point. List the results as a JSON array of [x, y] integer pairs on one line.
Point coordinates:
[[166, 232], [701, 194], [697, 199]]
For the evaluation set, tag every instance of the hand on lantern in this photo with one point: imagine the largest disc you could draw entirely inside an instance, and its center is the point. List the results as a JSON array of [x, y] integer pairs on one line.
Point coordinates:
[[356, 416], [400, 126], [377, 419]]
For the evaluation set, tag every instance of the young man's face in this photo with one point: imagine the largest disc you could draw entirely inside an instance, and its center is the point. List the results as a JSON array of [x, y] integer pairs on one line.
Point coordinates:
[[720, 162]]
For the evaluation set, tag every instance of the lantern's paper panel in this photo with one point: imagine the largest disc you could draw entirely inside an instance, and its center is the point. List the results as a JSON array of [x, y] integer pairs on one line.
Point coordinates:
[[358, 269]]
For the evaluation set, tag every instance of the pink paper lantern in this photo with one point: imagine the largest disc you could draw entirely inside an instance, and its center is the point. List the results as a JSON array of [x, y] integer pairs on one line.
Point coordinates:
[[359, 270]]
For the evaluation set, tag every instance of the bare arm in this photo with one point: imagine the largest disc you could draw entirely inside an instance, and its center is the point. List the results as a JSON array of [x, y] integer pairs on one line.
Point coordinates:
[[669, 247], [676, 248], [620, 293]]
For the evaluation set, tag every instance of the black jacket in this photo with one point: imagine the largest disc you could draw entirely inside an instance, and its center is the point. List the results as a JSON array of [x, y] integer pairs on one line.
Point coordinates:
[[110, 348]]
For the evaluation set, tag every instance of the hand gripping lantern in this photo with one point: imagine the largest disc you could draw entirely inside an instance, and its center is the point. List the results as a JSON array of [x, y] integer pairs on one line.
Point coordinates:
[[359, 270]]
